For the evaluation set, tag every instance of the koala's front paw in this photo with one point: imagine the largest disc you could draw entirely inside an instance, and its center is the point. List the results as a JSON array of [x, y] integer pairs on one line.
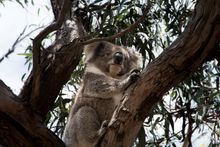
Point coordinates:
[[135, 75]]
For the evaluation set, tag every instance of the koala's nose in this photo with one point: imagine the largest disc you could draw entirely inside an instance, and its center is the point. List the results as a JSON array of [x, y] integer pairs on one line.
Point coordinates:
[[118, 58]]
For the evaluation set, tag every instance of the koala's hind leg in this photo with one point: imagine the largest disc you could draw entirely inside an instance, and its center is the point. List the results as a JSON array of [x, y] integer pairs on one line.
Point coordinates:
[[86, 126]]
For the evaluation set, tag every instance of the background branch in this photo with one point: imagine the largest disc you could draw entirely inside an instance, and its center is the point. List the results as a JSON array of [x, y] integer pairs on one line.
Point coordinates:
[[41, 89], [123, 32], [20, 38], [37, 45]]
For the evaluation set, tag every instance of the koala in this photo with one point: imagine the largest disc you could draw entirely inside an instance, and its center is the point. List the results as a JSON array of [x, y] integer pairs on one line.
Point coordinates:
[[109, 71]]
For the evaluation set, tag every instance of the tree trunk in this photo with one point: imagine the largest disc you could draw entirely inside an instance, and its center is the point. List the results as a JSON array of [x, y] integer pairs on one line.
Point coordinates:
[[57, 64], [21, 127], [21, 117]]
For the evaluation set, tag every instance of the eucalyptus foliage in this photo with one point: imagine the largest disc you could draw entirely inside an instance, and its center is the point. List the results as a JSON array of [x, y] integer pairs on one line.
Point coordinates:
[[190, 109], [194, 103]]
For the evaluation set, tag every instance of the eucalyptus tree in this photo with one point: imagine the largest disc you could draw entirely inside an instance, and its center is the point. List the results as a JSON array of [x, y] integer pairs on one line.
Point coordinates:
[[179, 41]]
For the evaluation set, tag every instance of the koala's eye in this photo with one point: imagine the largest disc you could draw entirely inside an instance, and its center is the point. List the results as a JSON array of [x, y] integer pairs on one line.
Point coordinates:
[[102, 54], [107, 54]]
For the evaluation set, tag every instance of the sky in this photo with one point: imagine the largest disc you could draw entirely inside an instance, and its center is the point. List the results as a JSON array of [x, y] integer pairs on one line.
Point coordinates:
[[13, 19]]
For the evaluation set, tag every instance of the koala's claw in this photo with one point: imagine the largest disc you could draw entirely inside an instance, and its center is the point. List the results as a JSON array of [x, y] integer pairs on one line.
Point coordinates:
[[104, 123], [103, 127], [137, 71], [135, 75], [101, 132]]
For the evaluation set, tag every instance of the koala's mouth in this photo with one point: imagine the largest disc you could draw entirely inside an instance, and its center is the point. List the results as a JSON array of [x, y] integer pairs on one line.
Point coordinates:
[[115, 69]]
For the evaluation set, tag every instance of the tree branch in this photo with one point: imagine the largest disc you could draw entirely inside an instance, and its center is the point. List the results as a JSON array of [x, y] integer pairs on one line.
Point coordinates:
[[42, 35], [41, 90], [37, 45], [176, 63], [17, 41], [56, 7], [28, 127], [122, 33]]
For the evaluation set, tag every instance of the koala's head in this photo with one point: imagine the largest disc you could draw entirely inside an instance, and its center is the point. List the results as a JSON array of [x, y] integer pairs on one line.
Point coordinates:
[[112, 60]]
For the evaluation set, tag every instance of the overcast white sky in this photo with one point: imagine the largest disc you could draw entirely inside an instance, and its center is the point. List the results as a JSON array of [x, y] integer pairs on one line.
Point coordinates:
[[13, 19]]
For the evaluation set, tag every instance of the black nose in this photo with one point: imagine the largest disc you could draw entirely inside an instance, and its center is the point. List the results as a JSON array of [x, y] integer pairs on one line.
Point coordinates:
[[118, 58]]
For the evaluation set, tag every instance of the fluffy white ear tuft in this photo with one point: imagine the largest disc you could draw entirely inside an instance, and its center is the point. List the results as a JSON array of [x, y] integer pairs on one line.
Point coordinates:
[[94, 48], [88, 51], [136, 57]]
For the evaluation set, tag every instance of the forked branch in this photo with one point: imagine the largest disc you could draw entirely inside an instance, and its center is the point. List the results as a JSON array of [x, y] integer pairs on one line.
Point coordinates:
[[37, 45], [123, 32]]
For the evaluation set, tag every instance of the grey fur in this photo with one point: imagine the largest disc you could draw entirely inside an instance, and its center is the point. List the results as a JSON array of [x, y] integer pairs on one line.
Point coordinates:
[[109, 71]]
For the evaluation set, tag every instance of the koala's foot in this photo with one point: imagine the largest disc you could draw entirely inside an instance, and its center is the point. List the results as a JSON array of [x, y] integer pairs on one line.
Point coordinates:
[[103, 127], [101, 132], [134, 75]]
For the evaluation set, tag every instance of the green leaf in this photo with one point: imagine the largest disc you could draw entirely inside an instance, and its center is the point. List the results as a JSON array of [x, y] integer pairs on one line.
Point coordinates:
[[25, 54]]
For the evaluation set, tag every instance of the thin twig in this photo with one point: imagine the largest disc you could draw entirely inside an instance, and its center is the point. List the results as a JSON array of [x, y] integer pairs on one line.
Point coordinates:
[[12, 49], [17, 41], [122, 33], [85, 40]]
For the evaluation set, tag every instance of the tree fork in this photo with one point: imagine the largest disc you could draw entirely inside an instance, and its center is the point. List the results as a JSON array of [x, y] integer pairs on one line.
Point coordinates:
[[57, 64], [177, 62]]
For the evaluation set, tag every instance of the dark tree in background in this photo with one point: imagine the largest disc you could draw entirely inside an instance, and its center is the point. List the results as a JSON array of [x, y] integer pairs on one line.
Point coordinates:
[[178, 87]]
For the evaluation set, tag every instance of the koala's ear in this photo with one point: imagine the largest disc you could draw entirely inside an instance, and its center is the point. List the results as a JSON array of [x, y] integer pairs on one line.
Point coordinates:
[[135, 57], [88, 51], [95, 49]]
